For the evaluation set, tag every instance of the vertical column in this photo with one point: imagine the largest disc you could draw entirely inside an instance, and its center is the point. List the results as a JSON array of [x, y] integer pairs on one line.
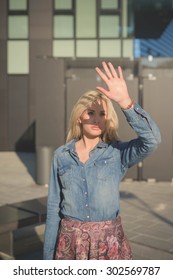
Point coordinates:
[[40, 40], [3, 77]]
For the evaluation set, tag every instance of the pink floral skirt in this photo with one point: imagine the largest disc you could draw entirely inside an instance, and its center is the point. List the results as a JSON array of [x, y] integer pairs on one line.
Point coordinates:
[[92, 241]]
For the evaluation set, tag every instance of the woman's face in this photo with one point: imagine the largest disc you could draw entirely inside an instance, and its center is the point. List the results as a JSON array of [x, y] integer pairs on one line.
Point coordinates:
[[93, 119]]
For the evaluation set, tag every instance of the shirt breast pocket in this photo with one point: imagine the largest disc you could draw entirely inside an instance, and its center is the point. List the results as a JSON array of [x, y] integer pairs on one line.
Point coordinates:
[[65, 174], [104, 168]]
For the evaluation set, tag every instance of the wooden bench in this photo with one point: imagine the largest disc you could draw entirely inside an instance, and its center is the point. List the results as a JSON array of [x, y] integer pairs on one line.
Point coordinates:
[[16, 216]]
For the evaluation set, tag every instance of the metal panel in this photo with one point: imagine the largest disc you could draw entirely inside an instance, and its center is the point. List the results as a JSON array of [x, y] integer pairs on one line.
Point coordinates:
[[3, 120], [3, 65], [3, 97], [3, 19], [18, 109], [3, 77], [82, 80], [157, 101], [49, 89]]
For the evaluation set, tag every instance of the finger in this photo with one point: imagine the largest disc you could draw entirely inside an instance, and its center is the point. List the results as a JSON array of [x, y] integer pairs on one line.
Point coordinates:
[[114, 74], [120, 73], [101, 74], [107, 71]]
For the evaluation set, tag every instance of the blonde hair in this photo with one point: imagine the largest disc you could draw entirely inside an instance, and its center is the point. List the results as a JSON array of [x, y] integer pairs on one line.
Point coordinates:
[[85, 101]]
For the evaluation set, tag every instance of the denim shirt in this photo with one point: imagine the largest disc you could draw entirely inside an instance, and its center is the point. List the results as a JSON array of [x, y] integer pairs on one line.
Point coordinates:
[[90, 191]]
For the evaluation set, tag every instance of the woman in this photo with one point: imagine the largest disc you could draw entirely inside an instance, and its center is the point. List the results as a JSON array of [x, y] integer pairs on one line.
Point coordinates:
[[83, 220]]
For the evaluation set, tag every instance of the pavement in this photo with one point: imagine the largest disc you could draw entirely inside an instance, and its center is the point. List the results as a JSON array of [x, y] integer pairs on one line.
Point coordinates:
[[146, 206]]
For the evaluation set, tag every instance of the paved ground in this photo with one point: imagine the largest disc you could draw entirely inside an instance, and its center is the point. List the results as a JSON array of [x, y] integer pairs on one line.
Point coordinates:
[[147, 212], [147, 208]]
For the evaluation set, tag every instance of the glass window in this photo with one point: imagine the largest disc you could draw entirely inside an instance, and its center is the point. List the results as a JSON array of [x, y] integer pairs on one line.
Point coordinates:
[[63, 4], [109, 26], [85, 18], [18, 57], [110, 48], [17, 27], [87, 48], [63, 48], [109, 4], [128, 48], [63, 26], [19, 5]]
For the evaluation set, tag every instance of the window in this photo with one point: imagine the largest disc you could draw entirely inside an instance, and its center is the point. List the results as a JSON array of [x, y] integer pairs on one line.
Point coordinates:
[[18, 44], [63, 48], [86, 28], [109, 4], [91, 28], [17, 27], [110, 48], [17, 5], [63, 28], [86, 19], [63, 4], [18, 53], [151, 27], [86, 48], [109, 26]]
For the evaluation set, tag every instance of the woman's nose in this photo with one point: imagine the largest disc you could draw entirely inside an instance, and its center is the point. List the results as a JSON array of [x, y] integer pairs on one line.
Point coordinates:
[[96, 120]]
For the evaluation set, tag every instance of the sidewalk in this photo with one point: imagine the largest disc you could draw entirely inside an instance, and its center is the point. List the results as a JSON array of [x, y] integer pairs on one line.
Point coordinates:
[[147, 214], [146, 208]]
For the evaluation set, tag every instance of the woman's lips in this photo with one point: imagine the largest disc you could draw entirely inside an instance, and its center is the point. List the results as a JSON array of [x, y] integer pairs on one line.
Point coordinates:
[[95, 127]]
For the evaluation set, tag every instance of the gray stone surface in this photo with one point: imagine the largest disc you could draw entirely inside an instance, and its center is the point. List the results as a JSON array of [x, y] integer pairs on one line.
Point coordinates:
[[147, 215]]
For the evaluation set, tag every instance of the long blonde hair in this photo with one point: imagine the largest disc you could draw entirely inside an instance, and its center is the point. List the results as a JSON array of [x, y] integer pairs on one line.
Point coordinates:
[[75, 130]]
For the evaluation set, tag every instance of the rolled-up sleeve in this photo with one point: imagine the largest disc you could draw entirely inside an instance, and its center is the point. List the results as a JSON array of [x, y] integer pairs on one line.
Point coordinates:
[[148, 137]]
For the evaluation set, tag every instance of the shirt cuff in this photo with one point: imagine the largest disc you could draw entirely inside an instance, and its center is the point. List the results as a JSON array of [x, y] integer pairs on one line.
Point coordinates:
[[133, 114]]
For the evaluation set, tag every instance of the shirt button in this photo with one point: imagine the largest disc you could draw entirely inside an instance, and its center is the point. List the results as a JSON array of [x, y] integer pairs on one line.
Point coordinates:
[[88, 217], [86, 205], [86, 193], [83, 180]]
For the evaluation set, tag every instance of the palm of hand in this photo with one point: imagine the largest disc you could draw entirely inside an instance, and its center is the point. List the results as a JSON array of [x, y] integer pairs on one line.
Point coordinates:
[[117, 89]]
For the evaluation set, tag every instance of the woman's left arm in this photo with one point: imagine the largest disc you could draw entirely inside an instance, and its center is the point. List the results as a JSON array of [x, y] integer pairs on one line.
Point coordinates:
[[148, 133], [148, 137]]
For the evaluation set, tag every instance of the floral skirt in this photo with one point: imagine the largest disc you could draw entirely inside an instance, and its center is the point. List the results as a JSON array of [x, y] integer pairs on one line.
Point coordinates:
[[92, 241]]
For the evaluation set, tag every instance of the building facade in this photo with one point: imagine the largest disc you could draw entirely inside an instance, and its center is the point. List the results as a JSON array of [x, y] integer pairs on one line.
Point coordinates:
[[48, 49]]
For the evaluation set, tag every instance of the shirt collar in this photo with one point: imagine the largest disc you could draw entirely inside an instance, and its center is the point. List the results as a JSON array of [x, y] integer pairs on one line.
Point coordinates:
[[71, 145]]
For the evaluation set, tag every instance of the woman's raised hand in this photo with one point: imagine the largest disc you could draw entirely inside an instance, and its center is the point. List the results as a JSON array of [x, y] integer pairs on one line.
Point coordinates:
[[117, 88]]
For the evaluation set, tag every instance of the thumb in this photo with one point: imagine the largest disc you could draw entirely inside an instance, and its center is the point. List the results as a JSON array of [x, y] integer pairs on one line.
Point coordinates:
[[102, 90]]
